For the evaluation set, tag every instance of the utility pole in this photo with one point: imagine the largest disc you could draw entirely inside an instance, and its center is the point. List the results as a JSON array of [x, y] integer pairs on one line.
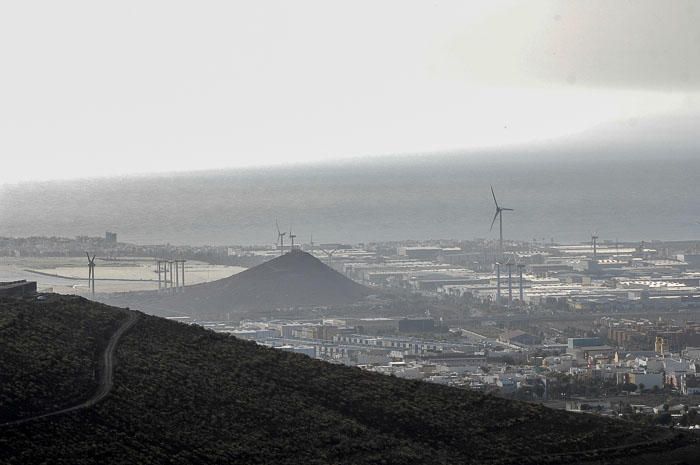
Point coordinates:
[[510, 282], [177, 275], [158, 270], [522, 293], [594, 238]]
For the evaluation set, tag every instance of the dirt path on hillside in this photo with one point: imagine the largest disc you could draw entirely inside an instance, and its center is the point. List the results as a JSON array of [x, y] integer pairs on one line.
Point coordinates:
[[105, 383]]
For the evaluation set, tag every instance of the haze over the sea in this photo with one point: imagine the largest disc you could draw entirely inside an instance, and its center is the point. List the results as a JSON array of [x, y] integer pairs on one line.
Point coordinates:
[[641, 190]]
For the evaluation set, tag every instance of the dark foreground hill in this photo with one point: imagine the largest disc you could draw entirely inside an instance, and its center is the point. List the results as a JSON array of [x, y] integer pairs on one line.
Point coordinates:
[[295, 279], [49, 352], [185, 395]]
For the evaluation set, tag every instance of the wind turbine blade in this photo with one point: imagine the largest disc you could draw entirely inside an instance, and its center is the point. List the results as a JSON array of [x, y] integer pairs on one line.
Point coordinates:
[[494, 219], [507, 209], [494, 197]]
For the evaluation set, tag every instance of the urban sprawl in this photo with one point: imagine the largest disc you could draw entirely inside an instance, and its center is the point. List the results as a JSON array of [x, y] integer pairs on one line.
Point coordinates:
[[601, 327]]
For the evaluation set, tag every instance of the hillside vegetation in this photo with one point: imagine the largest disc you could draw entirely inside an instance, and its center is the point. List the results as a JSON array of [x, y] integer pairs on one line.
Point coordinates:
[[49, 352], [185, 395]]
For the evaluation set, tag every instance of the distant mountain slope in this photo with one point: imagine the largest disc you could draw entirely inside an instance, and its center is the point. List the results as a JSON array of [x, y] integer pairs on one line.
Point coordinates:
[[295, 279], [185, 395]]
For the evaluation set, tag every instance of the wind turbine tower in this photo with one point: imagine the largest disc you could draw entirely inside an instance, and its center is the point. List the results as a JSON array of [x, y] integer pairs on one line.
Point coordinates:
[[280, 238], [499, 215], [498, 283], [292, 236]]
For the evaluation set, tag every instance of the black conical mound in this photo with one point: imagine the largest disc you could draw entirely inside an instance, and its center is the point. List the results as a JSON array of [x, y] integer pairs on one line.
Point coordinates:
[[295, 279]]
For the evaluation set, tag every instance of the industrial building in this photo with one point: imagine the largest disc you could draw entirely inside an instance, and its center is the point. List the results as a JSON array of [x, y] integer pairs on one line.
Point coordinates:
[[17, 288]]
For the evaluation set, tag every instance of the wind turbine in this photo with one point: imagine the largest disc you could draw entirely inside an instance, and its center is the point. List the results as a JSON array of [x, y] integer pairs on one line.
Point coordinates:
[[91, 272], [292, 236], [330, 255], [280, 237], [499, 215]]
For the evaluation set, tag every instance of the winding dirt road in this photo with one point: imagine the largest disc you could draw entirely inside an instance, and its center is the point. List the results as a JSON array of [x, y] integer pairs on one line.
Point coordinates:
[[105, 383]]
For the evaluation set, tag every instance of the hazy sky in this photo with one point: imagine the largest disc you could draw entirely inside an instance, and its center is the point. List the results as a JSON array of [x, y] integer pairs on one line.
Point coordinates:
[[102, 88]]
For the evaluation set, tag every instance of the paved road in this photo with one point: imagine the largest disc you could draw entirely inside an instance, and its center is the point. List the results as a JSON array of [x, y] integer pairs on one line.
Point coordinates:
[[106, 381], [689, 314]]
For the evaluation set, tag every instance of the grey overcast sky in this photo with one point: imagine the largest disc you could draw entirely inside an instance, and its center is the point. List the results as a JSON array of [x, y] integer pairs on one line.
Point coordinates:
[[107, 88]]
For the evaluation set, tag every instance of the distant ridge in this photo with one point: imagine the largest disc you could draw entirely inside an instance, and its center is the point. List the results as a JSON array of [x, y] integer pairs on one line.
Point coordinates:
[[295, 279]]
